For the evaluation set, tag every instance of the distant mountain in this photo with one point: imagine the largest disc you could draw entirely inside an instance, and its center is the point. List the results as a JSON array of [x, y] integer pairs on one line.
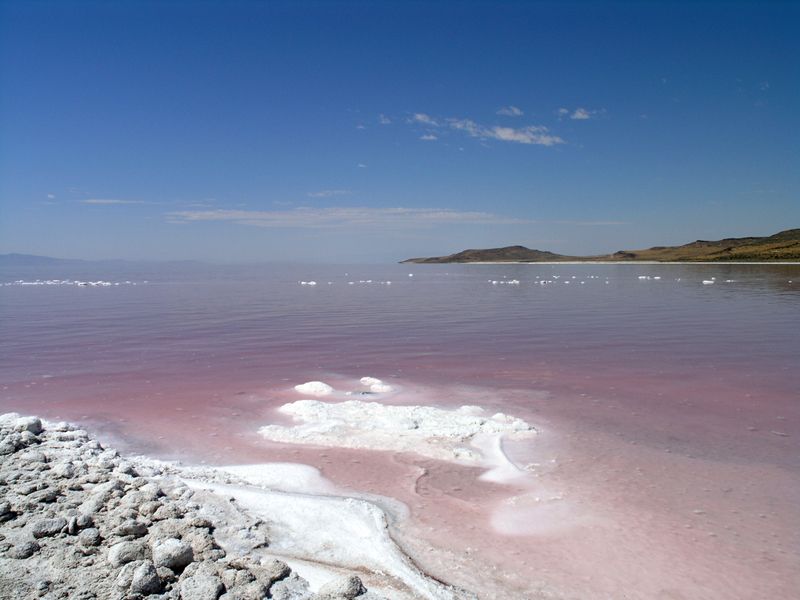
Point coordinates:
[[779, 247], [507, 254], [32, 260], [783, 246]]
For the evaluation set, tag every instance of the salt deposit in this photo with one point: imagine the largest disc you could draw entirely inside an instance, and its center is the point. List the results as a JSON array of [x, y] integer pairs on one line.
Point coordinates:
[[345, 532], [432, 432], [376, 385], [79, 521], [314, 388], [69, 282]]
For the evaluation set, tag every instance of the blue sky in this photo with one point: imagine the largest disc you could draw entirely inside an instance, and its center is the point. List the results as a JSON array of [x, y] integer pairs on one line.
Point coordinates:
[[375, 131]]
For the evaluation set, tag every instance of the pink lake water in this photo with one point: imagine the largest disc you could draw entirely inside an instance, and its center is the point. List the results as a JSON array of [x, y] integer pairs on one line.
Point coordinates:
[[668, 410]]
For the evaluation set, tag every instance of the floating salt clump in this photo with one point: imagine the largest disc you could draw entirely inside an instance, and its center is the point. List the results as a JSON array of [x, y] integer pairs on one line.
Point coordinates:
[[376, 385], [314, 388]]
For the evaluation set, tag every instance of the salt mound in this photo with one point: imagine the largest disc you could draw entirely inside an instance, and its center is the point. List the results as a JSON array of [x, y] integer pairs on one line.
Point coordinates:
[[428, 431], [376, 385], [314, 388]]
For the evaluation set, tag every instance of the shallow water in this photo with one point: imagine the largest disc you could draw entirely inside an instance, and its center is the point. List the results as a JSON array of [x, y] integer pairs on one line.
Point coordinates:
[[669, 410]]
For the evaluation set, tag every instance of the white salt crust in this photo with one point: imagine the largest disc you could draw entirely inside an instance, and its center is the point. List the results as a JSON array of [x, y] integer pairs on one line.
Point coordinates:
[[453, 435], [314, 388]]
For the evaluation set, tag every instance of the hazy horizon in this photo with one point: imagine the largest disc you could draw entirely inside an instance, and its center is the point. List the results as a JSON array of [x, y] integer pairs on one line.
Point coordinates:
[[352, 132]]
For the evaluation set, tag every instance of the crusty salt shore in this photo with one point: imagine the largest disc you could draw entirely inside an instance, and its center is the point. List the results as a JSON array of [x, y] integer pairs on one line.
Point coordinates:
[[79, 521]]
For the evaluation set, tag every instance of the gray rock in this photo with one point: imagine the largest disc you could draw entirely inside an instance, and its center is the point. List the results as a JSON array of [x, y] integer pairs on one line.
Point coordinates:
[[168, 511], [46, 496], [173, 554], [152, 490], [201, 542], [271, 571], [33, 456], [146, 509], [76, 523], [201, 523], [63, 470], [126, 552], [132, 528], [25, 549], [125, 575], [31, 424], [345, 587], [48, 527], [166, 575], [89, 537], [201, 586], [145, 580], [291, 588], [248, 591]]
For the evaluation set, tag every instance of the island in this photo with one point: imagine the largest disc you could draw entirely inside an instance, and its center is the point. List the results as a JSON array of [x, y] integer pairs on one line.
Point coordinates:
[[780, 247]]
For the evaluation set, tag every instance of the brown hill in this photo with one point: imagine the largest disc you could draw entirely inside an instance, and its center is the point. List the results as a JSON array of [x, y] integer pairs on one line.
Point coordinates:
[[783, 246], [507, 254]]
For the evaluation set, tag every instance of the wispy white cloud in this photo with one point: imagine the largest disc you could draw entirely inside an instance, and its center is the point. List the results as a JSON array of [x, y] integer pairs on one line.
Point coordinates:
[[424, 119], [343, 217], [110, 201], [532, 134], [329, 193], [51, 196], [510, 111], [579, 114], [361, 166], [384, 120]]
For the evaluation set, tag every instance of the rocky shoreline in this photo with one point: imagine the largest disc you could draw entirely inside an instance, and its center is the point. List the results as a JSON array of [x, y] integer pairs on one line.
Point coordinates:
[[78, 521]]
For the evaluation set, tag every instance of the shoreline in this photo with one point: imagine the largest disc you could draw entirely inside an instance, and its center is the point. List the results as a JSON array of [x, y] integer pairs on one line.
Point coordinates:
[[610, 262], [79, 520]]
